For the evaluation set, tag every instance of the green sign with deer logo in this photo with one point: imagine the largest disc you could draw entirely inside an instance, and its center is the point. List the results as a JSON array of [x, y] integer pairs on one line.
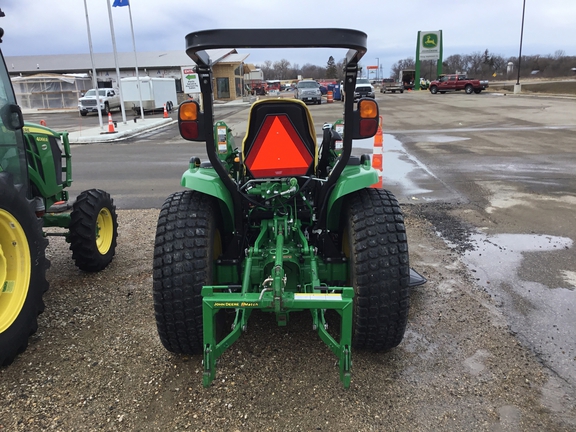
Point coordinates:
[[430, 40]]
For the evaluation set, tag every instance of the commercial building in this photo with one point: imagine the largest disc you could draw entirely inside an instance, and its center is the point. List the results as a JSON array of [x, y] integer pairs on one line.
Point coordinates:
[[57, 81]]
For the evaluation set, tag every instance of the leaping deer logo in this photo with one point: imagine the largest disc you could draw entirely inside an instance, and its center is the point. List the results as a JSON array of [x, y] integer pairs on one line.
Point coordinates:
[[430, 41]]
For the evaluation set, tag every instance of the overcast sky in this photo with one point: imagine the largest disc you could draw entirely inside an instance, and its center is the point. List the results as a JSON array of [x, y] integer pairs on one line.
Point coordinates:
[[37, 27]]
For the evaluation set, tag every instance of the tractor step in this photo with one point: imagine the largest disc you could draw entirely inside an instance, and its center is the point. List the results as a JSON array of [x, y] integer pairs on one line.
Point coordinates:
[[416, 278]]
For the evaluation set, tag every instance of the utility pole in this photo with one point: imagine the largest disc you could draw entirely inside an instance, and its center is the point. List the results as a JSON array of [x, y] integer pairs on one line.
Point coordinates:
[[517, 87]]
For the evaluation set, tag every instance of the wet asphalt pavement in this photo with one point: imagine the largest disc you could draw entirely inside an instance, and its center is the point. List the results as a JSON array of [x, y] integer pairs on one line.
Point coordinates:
[[506, 164]]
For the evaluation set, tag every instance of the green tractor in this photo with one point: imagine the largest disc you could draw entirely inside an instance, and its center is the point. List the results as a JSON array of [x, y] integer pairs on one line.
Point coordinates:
[[90, 223], [280, 225], [35, 168]]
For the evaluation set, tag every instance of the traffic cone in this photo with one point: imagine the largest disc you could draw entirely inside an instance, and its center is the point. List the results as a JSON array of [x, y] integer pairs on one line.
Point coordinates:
[[165, 112], [377, 154], [110, 124]]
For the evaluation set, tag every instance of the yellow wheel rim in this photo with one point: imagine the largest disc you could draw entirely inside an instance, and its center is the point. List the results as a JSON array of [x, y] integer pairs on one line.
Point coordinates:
[[104, 231], [15, 268]]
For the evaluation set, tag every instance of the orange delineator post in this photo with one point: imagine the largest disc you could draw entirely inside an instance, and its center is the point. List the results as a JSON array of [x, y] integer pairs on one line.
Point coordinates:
[[165, 112], [110, 124], [378, 154]]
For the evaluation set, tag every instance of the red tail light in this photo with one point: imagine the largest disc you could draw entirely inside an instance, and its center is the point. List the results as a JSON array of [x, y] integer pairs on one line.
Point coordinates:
[[189, 130]]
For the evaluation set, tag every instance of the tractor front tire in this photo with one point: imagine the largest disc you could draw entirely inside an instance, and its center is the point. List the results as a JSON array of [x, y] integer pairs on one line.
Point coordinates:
[[187, 243], [23, 266], [375, 242], [93, 230]]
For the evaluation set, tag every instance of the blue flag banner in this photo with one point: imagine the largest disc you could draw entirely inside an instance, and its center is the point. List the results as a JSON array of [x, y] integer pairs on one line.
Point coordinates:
[[120, 3]]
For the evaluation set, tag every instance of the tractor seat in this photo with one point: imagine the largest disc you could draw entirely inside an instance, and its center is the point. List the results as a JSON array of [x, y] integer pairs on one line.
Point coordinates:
[[280, 140]]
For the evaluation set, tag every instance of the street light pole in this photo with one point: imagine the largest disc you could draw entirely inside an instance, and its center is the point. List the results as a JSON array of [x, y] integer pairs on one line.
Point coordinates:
[[521, 34], [378, 69]]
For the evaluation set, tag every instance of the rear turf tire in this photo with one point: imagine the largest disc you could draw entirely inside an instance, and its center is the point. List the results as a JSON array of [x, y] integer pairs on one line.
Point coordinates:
[[93, 230], [375, 242], [23, 266], [187, 243]]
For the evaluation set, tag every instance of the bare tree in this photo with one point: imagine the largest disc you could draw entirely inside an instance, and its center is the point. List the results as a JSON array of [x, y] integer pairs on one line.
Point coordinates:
[[558, 54], [407, 63], [474, 62], [428, 69], [313, 71], [266, 69], [281, 69]]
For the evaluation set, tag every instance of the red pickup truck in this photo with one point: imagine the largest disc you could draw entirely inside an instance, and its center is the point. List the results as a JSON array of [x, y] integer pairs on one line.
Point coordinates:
[[456, 82]]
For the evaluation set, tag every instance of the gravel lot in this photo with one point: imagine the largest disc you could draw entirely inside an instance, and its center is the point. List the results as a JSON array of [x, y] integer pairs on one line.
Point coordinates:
[[96, 362]]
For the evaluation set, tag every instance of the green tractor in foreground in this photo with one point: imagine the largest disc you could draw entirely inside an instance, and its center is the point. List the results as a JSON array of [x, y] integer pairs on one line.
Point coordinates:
[[38, 198], [35, 169], [280, 225]]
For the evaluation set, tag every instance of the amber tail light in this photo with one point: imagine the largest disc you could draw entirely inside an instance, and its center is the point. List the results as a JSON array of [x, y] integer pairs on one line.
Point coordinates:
[[191, 121]]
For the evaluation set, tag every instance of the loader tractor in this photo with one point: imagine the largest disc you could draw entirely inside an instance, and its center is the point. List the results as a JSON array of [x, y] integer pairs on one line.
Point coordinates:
[[35, 169], [281, 224]]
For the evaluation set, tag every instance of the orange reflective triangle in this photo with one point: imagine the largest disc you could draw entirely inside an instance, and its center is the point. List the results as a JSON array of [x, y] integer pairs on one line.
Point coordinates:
[[278, 150]]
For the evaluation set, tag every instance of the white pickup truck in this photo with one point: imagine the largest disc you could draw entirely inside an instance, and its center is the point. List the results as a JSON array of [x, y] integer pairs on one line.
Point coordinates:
[[109, 100]]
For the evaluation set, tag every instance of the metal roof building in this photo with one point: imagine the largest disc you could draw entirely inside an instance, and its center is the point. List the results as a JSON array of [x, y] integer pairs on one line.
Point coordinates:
[[80, 63], [158, 64]]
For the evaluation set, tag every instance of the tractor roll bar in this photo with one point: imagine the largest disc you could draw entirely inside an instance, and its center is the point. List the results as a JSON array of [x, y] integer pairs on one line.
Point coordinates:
[[198, 42]]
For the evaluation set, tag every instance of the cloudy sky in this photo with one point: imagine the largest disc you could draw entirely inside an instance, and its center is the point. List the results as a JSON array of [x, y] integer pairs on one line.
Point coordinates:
[[36, 27]]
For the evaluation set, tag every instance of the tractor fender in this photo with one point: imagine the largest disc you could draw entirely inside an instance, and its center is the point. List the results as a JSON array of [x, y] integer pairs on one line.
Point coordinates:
[[352, 179], [207, 181]]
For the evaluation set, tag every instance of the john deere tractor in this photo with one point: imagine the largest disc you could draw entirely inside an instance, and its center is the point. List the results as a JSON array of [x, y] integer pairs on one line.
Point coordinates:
[[280, 224], [35, 168]]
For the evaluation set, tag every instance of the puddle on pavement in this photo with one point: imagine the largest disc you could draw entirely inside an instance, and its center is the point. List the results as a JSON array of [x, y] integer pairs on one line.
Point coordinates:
[[497, 258], [398, 165], [438, 138], [543, 316]]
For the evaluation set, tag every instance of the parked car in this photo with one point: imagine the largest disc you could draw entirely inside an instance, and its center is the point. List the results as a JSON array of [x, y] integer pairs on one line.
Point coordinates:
[[390, 85], [107, 98], [363, 89], [457, 82], [308, 91]]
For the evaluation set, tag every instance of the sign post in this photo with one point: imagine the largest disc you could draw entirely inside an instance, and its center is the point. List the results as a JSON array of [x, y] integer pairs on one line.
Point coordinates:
[[191, 83], [369, 68], [428, 47]]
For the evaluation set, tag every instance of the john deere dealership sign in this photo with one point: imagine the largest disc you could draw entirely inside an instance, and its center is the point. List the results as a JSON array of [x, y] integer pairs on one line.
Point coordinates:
[[428, 48], [429, 45]]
